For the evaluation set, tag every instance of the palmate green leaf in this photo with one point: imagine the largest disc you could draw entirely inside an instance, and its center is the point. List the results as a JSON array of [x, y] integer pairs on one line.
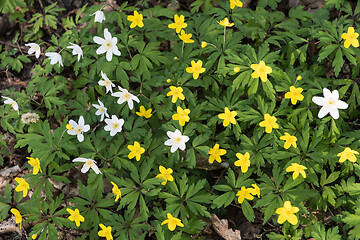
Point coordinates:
[[338, 62], [247, 210], [319, 232], [353, 220], [326, 51], [224, 200]]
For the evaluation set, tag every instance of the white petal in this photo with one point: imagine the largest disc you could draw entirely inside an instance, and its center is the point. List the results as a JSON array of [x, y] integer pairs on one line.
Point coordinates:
[[113, 132], [99, 40], [327, 93], [96, 169], [185, 139], [116, 51], [341, 104], [169, 142], [174, 148], [171, 134], [335, 94], [97, 107], [135, 98], [120, 101], [334, 112], [101, 50], [103, 75], [131, 104], [71, 132], [85, 168], [86, 128], [323, 111], [182, 146], [319, 101], [108, 127], [102, 117], [81, 121], [107, 34], [80, 137], [109, 55], [177, 133], [80, 159]]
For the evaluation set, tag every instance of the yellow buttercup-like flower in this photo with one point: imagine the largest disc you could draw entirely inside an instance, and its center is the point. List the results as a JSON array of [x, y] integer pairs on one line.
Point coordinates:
[[269, 123], [116, 191], [23, 186], [261, 70], [176, 92], [234, 3], [348, 154], [236, 69], [185, 37], [243, 161], [136, 151], [350, 38], [196, 68], [75, 216], [287, 213], [144, 113], [172, 222], [165, 174], [105, 232], [18, 217], [203, 44], [296, 169], [136, 19], [182, 115], [179, 23], [289, 140], [35, 163], [294, 94], [255, 190], [226, 23], [298, 78], [228, 117], [215, 153], [244, 193]]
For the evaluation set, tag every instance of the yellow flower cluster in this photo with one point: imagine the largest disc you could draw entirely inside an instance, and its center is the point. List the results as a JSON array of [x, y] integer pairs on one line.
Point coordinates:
[[248, 193]]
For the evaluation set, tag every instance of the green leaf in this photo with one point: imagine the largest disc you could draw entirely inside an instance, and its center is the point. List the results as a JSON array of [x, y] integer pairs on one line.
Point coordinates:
[[248, 211]]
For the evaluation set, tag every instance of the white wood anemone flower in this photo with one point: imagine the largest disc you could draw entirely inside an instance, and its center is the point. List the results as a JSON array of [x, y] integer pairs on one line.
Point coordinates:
[[78, 128], [76, 50], [106, 82], [99, 16], [54, 58], [114, 125], [125, 96], [108, 45], [330, 103], [176, 140], [101, 110], [88, 163], [12, 103], [34, 48]]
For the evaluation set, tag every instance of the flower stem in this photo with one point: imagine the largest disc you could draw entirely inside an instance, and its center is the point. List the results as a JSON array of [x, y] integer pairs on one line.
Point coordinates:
[[224, 37], [182, 50]]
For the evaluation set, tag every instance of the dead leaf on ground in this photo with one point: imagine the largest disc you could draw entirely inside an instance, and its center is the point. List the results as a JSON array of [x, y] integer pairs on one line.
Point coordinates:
[[222, 228]]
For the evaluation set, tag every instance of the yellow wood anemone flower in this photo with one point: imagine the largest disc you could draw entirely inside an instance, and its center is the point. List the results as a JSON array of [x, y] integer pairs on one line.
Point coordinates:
[[287, 213], [135, 151], [105, 232], [75, 216], [136, 20], [18, 217], [226, 23], [255, 190], [176, 92], [234, 3], [196, 68], [182, 115], [289, 140], [244, 193], [215, 153], [294, 94], [243, 161], [185, 37], [116, 191], [348, 154], [269, 123], [179, 23], [35, 163], [296, 169], [172, 222], [261, 70], [165, 174], [350, 38], [144, 113], [228, 117], [23, 186]]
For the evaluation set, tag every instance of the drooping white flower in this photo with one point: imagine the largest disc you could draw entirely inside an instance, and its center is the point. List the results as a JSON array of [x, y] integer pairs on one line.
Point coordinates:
[[99, 16], [106, 82], [125, 96], [108, 45], [330, 103], [76, 50], [34, 48], [78, 128], [101, 110], [12, 103], [114, 125], [88, 163], [54, 58], [176, 140]]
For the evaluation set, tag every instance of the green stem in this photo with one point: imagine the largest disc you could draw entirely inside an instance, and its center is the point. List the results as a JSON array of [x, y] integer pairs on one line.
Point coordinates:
[[182, 50], [224, 37]]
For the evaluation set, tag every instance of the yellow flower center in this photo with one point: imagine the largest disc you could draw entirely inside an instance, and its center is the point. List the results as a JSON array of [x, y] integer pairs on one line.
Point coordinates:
[[177, 140], [78, 130], [107, 44], [262, 70], [102, 110], [115, 126], [107, 83], [12, 104], [89, 163], [126, 96]]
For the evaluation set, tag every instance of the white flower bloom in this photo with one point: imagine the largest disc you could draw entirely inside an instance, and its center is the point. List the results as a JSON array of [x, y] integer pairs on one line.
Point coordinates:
[[330, 103], [12, 103], [107, 83], [124, 96], [78, 128], [54, 58], [34, 48], [108, 45], [114, 125], [176, 140], [89, 163], [76, 50], [99, 16], [101, 110]]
